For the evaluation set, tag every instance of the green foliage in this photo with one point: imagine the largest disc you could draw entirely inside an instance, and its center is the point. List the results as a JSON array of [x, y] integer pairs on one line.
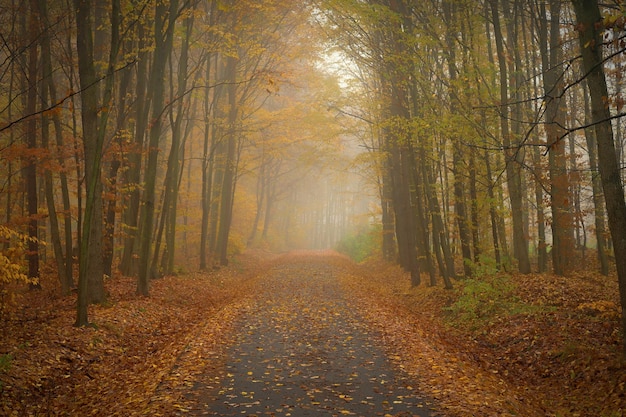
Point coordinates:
[[484, 300], [5, 362], [363, 244], [486, 265]]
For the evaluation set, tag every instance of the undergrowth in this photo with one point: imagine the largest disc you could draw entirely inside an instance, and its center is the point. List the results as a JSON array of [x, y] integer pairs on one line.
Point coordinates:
[[362, 244], [482, 301]]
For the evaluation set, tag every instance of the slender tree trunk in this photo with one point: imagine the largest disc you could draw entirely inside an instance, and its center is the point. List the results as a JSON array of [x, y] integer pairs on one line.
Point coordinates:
[[493, 214], [441, 247], [260, 198], [55, 235], [175, 160], [30, 166], [209, 148], [112, 177], [475, 224], [596, 186], [49, 86], [229, 168], [132, 179], [422, 223], [164, 32], [269, 199], [388, 220], [457, 152], [512, 153]]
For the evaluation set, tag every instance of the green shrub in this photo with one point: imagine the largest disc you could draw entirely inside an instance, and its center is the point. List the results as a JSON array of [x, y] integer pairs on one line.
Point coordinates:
[[486, 265], [5, 362], [361, 245], [483, 300]]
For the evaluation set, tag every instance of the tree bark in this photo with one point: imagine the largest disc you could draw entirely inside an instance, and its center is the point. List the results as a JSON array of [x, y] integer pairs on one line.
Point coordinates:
[[596, 186], [49, 88], [228, 184], [30, 165], [560, 198], [163, 31], [90, 280], [132, 178], [590, 36], [457, 152], [512, 153]]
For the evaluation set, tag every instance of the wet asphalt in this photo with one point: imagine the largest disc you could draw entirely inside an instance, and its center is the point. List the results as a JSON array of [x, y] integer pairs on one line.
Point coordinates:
[[303, 350]]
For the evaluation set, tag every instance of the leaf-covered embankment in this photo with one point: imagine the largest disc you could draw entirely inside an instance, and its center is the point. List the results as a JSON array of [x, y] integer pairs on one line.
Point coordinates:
[[127, 363], [531, 345]]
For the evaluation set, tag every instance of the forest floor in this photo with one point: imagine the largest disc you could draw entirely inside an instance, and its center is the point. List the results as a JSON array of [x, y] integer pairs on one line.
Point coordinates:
[[535, 345]]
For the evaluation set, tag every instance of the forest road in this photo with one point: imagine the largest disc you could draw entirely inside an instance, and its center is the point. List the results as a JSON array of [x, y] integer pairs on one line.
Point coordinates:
[[302, 349]]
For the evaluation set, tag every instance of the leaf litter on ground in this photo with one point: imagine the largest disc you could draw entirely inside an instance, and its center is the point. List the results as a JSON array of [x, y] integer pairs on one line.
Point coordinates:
[[166, 354]]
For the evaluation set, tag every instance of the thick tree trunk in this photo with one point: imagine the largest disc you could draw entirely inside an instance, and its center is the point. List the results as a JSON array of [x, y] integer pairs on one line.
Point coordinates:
[[560, 198], [590, 36], [90, 280]]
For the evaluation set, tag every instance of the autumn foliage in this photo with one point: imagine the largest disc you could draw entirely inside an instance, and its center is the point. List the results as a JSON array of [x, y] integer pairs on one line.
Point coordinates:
[[126, 361], [559, 355], [542, 345]]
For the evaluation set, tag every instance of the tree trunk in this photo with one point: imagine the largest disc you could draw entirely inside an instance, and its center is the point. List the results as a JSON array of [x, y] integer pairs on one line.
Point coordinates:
[[260, 198], [228, 184], [112, 177], [49, 84], [596, 186], [590, 36], [560, 199], [164, 32], [388, 220], [440, 241], [132, 179], [493, 214], [30, 165], [55, 235], [512, 153], [90, 280], [457, 153], [208, 154]]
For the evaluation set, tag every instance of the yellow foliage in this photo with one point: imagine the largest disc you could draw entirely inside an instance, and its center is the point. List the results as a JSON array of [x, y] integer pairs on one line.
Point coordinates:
[[11, 268], [602, 308]]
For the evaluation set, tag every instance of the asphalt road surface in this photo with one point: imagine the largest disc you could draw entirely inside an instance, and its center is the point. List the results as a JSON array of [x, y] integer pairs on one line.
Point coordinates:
[[303, 350]]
